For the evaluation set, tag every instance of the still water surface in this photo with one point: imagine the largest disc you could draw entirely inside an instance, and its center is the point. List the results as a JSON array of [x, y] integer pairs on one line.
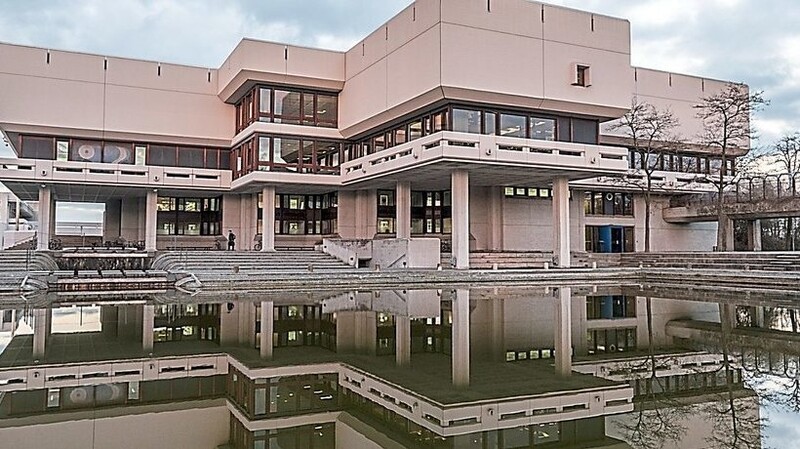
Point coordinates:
[[485, 368]]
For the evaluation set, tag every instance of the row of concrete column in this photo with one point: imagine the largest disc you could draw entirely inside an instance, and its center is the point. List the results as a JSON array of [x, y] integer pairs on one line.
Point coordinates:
[[460, 199], [460, 332]]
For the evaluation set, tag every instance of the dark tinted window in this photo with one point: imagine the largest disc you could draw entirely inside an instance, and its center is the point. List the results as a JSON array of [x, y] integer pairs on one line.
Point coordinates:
[[584, 131], [37, 148]]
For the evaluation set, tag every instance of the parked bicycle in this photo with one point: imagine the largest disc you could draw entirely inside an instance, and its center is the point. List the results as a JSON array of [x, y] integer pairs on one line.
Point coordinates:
[[55, 244]]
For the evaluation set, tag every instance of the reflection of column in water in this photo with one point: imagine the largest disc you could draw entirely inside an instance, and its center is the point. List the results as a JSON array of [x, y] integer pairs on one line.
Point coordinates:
[[402, 338], [148, 321], [461, 338], [563, 331], [267, 329], [40, 329]]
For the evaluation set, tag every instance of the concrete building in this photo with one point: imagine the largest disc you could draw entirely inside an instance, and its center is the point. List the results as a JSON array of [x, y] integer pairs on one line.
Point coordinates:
[[479, 123]]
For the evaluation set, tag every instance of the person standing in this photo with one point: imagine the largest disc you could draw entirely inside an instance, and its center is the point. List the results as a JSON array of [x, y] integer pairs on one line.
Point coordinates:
[[231, 240]]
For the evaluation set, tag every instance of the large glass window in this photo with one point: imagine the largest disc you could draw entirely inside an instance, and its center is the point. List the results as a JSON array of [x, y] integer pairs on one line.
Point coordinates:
[[608, 203], [303, 214], [431, 212], [542, 128], [467, 121], [287, 107], [189, 216], [610, 307], [512, 125]]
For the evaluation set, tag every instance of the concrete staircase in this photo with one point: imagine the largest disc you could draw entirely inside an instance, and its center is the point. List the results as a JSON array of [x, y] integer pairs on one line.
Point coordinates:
[[509, 260], [15, 265], [249, 262], [767, 261]]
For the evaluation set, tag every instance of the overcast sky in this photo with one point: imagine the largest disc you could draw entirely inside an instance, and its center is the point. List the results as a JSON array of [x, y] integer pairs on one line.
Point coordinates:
[[752, 41]]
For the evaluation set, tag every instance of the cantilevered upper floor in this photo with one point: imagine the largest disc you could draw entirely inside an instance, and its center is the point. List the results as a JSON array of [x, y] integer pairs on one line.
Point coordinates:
[[516, 71]]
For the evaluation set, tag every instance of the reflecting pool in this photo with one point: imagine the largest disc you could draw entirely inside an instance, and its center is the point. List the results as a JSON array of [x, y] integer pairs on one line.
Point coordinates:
[[590, 366]]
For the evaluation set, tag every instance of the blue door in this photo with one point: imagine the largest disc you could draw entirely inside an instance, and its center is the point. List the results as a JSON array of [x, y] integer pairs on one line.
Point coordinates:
[[604, 235]]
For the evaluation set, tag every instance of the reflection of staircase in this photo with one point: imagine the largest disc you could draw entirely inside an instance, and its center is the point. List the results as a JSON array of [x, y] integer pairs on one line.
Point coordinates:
[[28, 243], [249, 262], [17, 261]]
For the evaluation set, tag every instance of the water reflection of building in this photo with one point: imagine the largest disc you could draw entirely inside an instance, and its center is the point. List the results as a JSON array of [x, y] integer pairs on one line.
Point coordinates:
[[436, 368]]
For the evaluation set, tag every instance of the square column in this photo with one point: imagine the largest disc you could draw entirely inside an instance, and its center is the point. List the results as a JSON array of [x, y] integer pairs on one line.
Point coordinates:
[[402, 340], [754, 235], [563, 331], [459, 194], [561, 255], [267, 328], [460, 338], [268, 218], [150, 210], [46, 207], [402, 203]]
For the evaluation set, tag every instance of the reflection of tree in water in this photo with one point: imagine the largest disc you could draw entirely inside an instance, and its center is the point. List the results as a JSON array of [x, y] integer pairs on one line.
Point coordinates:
[[659, 418], [736, 424]]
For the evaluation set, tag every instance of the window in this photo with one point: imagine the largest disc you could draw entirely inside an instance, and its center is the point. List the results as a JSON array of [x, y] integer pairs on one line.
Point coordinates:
[[512, 125], [542, 128], [431, 212], [610, 307], [189, 216], [528, 192], [467, 121], [62, 150], [387, 212], [140, 154], [287, 107], [601, 341], [608, 203], [303, 214], [582, 76]]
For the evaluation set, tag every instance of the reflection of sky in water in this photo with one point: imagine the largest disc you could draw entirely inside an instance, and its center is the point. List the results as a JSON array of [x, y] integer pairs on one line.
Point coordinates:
[[76, 319]]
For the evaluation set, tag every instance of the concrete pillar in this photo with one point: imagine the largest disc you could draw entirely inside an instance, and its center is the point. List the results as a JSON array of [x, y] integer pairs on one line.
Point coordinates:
[[563, 331], [402, 203], [561, 243], [459, 193], [366, 213], [754, 235], [41, 327], [112, 220], [267, 328], [150, 223], [460, 338], [402, 340], [16, 215], [495, 196], [45, 216], [148, 322], [268, 218]]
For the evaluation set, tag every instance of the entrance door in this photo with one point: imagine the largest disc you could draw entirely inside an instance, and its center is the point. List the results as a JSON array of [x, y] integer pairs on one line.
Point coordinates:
[[605, 237], [617, 235]]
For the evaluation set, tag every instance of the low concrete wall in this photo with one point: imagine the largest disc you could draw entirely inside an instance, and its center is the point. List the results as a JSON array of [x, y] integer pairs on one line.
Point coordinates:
[[386, 254]]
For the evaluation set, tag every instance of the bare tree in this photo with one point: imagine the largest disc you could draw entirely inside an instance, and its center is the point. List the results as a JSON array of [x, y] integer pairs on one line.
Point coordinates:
[[659, 417], [736, 423], [787, 153], [650, 132], [726, 129]]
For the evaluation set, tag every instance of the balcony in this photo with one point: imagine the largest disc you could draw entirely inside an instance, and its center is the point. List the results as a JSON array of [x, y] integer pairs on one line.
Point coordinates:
[[68, 172], [576, 161]]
